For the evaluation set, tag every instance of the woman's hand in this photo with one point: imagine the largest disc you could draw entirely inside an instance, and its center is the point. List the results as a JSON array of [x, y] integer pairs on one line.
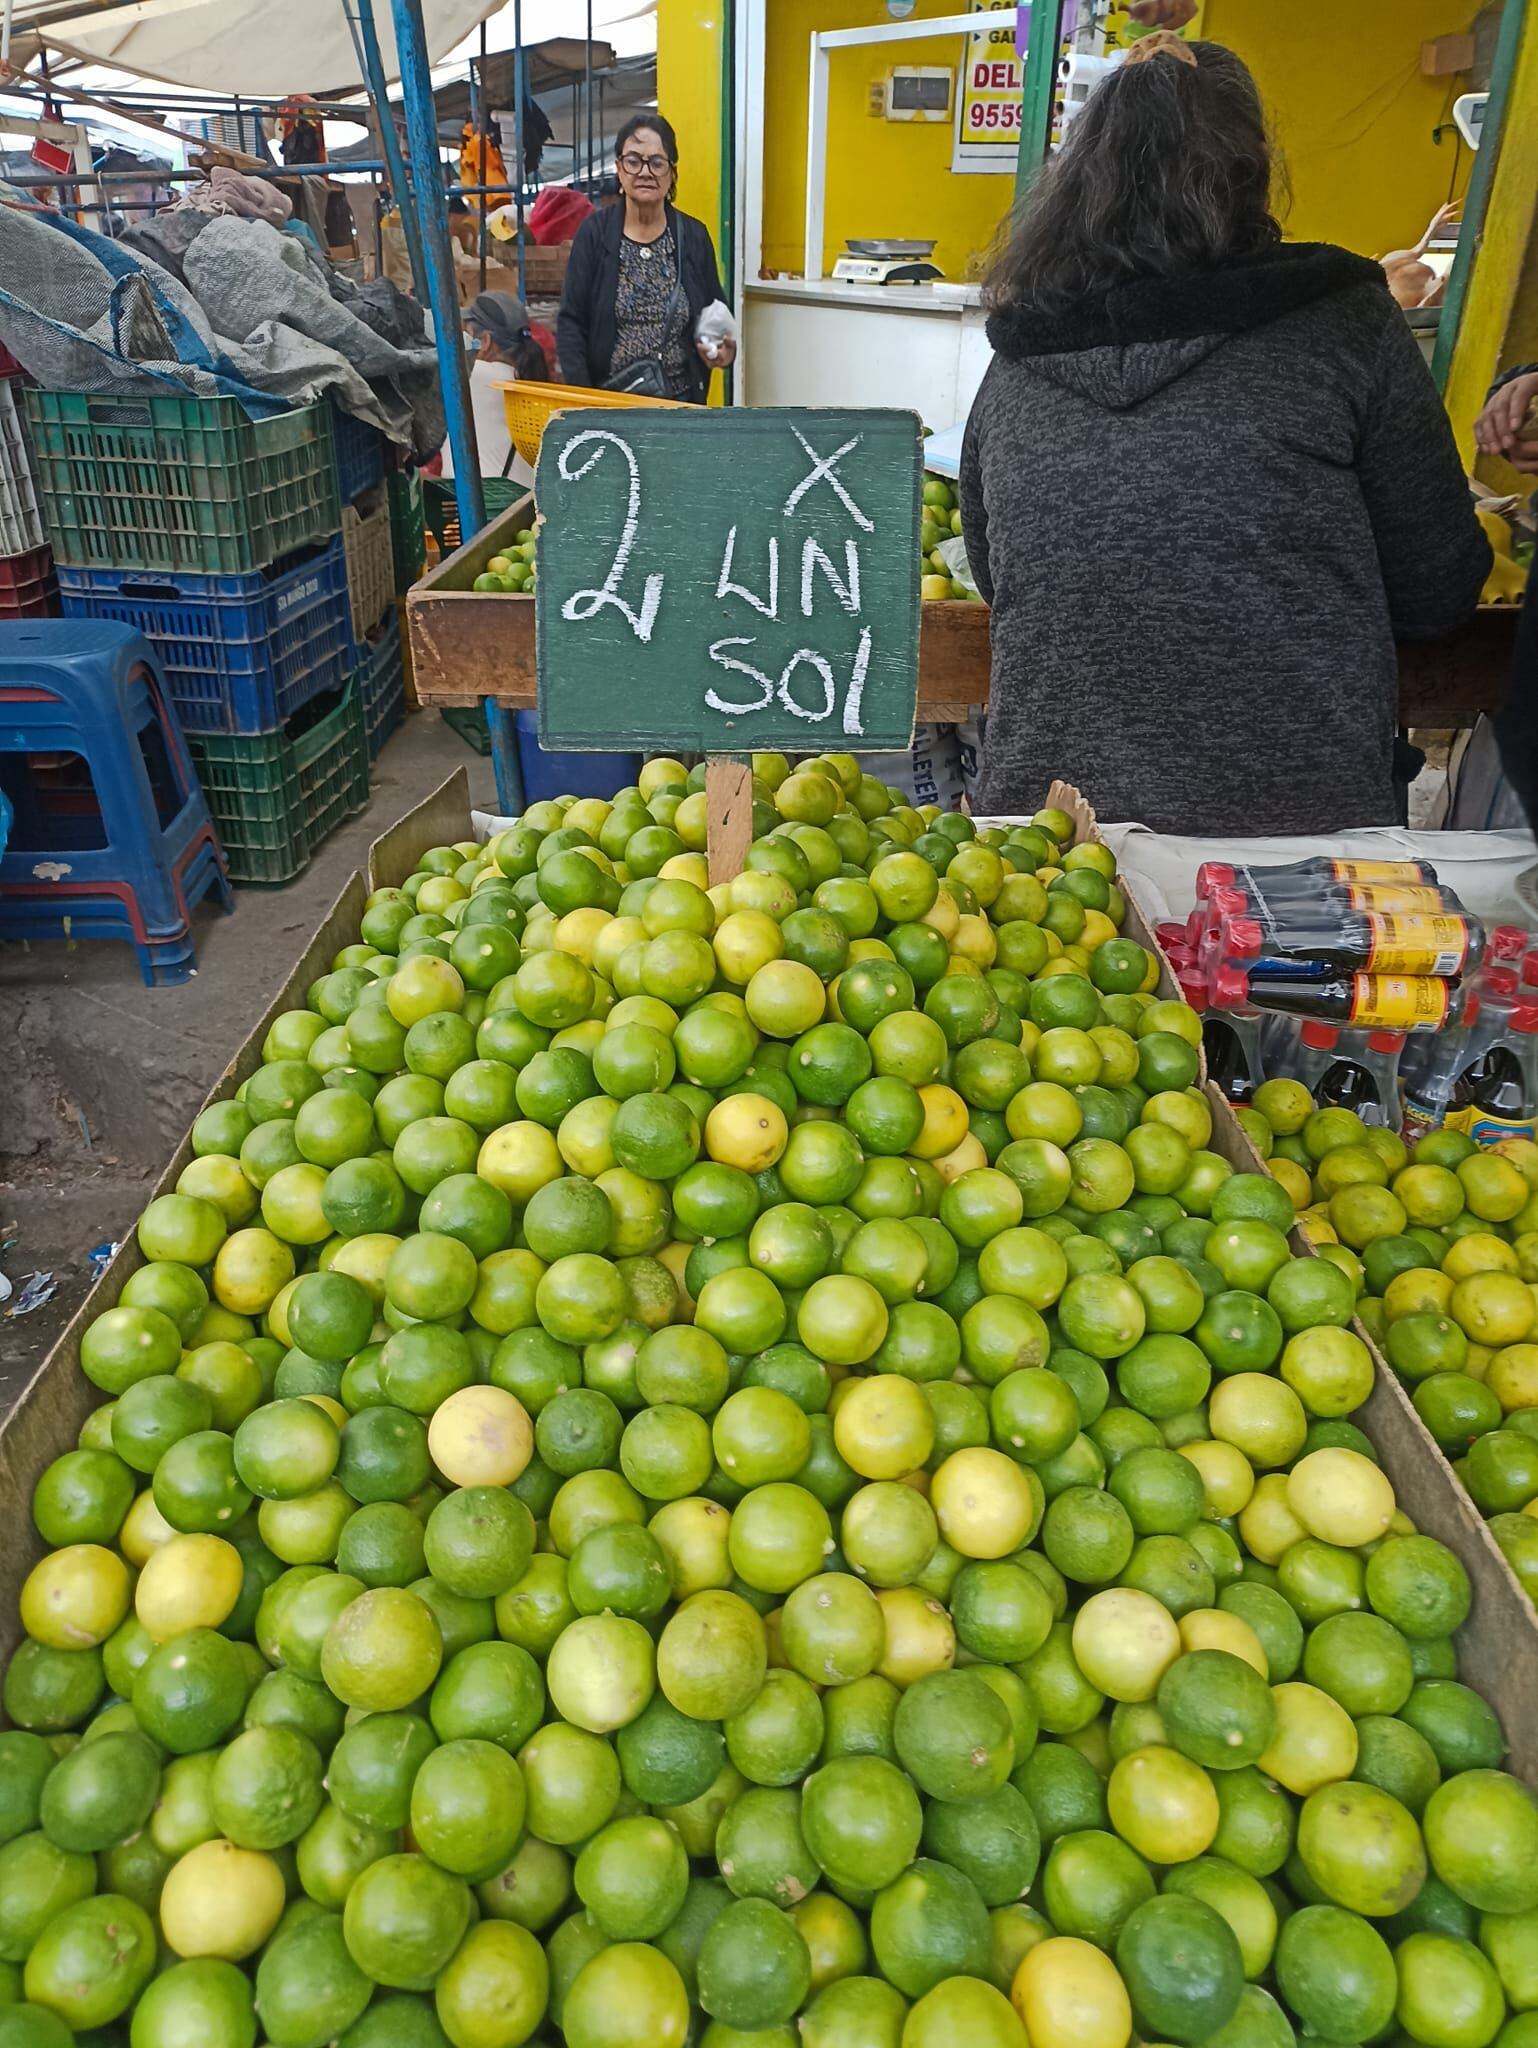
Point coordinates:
[[1499, 428], [725, 354]]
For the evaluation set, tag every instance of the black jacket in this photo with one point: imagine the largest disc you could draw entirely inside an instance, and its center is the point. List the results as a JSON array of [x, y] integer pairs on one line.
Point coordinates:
[[585, 326], [1202, 511]]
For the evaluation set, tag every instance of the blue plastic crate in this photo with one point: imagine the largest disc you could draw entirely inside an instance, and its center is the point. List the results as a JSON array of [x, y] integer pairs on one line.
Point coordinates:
[[240, 654], [381, 676], [552, 775], [359, 452]]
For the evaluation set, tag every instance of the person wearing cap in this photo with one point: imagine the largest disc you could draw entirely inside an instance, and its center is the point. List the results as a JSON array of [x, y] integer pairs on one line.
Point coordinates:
[[1206, 483], [638, 278], [506, 347]]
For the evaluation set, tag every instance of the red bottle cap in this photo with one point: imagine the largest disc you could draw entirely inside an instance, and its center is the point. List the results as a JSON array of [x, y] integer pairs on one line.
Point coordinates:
[[1227, 903], [1319, 1037], [1506, 942], [1170, 934], [1385, 1041], [1525, 1018], [1242, 937], [1212, 874], [1230, 988], [1501, 981], [1530, 966], [1193, 986]]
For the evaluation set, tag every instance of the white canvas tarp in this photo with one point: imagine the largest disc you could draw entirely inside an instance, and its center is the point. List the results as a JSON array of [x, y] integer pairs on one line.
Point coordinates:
[[230, 46]]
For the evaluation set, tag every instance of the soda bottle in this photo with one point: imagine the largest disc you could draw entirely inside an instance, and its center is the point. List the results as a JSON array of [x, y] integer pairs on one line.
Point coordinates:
[[1241, 899], [1429, 1096], [1372, 1002], [1312, 875], [1364, 1076], [1499, 1095], [1311, 941], [1230, 1040], [1315, 1053]]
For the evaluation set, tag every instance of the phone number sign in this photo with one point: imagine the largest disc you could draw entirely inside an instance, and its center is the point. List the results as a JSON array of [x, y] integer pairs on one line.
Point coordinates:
[[988, 104]]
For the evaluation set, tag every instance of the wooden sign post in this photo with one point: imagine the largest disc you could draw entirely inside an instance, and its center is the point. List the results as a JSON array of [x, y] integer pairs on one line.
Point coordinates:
[[725, 582]]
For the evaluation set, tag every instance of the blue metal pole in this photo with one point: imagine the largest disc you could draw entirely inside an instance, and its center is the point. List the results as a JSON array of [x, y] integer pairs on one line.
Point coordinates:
[[453, 372], [520, 87]]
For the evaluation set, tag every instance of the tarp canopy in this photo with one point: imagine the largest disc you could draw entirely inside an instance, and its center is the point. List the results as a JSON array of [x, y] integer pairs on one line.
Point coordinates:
[[277, 47], [230, 46]]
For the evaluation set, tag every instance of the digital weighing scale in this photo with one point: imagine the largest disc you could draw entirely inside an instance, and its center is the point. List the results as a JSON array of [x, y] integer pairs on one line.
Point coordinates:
[[886, 262]]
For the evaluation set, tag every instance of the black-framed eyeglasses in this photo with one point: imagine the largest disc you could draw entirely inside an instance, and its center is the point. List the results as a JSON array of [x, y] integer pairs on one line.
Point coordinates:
[[636, 164]]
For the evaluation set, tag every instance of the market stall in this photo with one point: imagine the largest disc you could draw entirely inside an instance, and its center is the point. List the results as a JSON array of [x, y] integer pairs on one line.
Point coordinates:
[[755, 1412]]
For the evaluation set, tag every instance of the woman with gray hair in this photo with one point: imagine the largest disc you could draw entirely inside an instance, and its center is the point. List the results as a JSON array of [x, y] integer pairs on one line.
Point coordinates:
[[1206, 482], [505, 348]]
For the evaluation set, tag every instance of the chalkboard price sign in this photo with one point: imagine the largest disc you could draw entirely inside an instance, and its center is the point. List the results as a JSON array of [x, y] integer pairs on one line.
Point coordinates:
[[720, 581]]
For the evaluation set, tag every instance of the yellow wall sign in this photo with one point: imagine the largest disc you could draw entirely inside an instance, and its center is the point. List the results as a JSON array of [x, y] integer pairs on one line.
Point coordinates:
[[988, 104]]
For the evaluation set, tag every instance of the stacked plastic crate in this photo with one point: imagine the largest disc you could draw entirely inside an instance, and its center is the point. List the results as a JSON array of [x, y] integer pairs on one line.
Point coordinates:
[[363, 466], [27, 586], [219, 537]]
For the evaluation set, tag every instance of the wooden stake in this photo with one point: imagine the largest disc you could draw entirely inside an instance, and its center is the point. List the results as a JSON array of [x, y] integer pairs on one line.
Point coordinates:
[[728, 813]]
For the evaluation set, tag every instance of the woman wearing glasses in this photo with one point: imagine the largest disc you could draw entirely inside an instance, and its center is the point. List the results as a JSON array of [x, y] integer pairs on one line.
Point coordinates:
[[639, 276]]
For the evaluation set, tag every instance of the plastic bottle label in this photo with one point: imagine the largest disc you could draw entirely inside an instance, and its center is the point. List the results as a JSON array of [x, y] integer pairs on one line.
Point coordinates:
[[1388, 896], [1416, 944], [1419, 1118], [1488, 1130], [1397, 1002], [1376, 870]]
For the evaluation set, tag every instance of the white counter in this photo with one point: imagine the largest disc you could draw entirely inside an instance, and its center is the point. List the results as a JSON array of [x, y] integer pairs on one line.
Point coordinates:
[[818, 342]]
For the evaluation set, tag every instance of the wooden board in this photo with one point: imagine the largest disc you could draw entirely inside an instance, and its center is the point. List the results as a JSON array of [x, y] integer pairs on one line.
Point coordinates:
[[465, 644], [722, 581], [1498, 1644], [439, 820]]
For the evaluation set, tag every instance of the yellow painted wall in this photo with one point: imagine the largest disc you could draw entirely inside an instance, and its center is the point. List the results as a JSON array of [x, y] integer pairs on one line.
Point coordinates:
[[884, 177], [689, 94], [1352, 112]]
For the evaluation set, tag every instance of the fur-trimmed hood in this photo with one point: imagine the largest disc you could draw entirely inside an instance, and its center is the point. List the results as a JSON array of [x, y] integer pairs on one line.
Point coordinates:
[[1119, 349]]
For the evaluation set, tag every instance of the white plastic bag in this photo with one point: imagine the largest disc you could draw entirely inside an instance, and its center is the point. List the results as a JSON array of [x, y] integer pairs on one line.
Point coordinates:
[[953, 553], [929, 772], [714, 326]]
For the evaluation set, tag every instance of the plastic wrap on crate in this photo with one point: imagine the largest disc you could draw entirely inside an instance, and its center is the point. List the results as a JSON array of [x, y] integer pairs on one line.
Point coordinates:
[[28, 586], [382, 684], [21, 519], [179, 482], [370, 560], [359, 453], [275, 796], [241, 654], [408, 526]]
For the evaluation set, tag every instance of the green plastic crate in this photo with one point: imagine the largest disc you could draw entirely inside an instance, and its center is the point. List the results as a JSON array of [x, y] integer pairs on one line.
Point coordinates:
[[179, 482], [408, 527], [274, 796], [441, 508]]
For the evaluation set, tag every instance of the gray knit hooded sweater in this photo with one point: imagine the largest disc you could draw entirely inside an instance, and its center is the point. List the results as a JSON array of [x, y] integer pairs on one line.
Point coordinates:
[[1202, 512]]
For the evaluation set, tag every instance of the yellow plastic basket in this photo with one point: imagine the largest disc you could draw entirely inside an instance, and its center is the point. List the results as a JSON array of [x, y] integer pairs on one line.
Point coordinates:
[[529, 406]]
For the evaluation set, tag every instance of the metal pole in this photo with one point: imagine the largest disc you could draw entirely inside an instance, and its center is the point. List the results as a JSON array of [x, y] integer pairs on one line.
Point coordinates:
[[1038, 90], [483, 107], [520, 84], [453, 372], [390, 142], [587, 88]]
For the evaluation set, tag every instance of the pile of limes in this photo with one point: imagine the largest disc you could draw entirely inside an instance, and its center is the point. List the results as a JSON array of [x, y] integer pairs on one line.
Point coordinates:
[[1442, 1247], [513, 571], [730, 1466]]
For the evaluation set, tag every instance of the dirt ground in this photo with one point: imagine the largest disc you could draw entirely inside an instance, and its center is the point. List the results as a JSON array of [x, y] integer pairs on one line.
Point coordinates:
[[100, 1076]]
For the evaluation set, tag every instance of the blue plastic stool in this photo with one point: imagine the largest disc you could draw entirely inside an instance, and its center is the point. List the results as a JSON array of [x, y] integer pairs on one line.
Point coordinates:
[[110, 836]]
